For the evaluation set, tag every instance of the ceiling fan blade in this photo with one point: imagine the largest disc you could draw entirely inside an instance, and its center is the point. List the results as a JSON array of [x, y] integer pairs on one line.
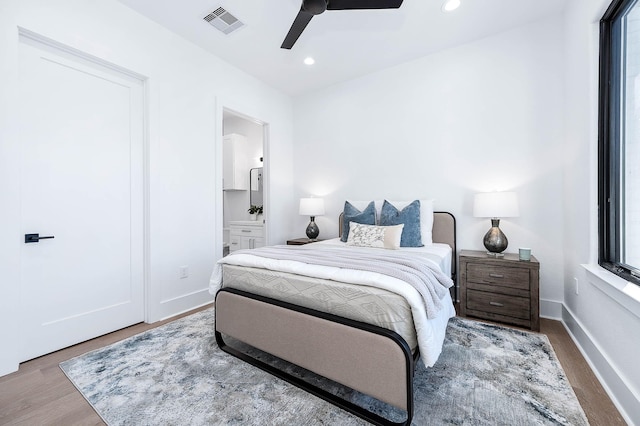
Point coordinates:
[[363, 4], [299, 24]]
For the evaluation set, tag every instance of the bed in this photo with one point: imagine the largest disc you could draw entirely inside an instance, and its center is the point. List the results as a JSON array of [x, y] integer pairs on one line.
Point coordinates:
[[312, 321]]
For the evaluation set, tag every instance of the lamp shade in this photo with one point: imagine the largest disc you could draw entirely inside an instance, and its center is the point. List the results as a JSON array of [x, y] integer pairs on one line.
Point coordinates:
[[311, 206], [496, 204]]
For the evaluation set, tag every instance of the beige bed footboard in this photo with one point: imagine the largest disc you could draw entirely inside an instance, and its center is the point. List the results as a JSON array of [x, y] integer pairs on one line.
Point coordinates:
[[365, 357], [370, 359]]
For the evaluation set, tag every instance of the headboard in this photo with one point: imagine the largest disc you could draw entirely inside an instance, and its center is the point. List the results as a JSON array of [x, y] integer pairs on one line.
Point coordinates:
[[444, 231]]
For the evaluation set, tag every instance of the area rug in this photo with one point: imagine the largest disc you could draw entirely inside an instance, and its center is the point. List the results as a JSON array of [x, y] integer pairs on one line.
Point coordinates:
[[176, 375]]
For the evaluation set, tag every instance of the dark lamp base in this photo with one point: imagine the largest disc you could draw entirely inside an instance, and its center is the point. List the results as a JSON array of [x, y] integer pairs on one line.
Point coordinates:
[[312, 230], [494, 240]]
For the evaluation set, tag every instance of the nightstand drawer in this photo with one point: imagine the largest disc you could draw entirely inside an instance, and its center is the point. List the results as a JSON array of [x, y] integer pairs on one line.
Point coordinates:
[[499, 289], [510, 306], [498, 275]]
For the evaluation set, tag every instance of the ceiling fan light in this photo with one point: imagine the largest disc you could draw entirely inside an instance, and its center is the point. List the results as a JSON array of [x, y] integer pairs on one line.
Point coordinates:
[[450, 5]]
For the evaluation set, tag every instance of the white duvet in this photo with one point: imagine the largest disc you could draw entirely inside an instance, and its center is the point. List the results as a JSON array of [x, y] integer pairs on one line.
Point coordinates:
[[430, 332]]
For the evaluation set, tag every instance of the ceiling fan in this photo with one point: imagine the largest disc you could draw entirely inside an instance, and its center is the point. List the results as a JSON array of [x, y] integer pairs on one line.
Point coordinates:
[[310, 8]]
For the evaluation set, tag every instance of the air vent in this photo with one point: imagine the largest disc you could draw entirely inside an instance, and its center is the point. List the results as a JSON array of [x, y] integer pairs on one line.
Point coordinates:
[[223, 20]]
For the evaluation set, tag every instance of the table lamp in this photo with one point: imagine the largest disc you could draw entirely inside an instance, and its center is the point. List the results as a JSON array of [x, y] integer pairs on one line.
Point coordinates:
[[312, 207], [495, 205]]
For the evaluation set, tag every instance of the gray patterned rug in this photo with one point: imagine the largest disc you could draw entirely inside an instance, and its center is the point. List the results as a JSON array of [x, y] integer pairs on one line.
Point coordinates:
[[176, 375]]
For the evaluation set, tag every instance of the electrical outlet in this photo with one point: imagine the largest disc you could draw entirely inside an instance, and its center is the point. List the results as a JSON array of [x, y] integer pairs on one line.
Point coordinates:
[[184, 272], [576, 284]]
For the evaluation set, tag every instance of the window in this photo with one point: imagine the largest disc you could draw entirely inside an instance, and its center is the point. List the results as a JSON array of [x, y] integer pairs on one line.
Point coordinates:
[[619, 140]]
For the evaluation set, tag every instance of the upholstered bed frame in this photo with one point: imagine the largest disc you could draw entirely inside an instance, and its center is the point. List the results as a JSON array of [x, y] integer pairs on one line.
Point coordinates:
[[373, 360]]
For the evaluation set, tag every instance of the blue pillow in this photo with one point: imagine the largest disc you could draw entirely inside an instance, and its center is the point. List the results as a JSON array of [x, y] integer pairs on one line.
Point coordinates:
[[409, 216], [351, 214]]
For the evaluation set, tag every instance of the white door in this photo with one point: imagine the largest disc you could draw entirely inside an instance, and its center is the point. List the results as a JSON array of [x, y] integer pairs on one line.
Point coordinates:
[[82, 183]]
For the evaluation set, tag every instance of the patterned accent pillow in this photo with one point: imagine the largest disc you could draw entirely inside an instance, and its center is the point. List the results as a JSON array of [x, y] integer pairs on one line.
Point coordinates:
[[352, 214], [387, 237], [409, 216]]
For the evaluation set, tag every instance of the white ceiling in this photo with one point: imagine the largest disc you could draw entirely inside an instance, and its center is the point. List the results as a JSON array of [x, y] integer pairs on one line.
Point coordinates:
[[345, 44]]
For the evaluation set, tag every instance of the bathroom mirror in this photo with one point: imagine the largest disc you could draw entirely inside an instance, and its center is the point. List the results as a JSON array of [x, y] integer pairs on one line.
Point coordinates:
[[255, 183]]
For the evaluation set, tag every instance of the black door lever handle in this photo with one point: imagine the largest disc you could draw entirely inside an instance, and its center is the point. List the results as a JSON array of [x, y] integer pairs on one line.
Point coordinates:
[[34, 238]]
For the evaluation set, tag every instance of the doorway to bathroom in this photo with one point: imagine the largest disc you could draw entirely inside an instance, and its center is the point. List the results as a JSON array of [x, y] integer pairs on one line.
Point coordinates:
[[244, 197]]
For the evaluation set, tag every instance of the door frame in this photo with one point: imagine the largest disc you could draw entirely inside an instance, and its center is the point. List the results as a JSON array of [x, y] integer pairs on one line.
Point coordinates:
[[34, 37]]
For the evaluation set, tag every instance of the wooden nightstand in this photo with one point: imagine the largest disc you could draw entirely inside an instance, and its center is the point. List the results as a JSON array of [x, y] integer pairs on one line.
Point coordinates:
[[501, 289], [300, 241]]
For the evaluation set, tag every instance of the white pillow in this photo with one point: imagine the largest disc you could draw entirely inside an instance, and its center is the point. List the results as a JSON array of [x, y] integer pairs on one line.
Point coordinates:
[[387, 237], [426, 217]]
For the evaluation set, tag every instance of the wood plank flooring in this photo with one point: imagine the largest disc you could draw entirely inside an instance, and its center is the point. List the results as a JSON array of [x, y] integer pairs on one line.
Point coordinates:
[[594, 400], [40, 394]]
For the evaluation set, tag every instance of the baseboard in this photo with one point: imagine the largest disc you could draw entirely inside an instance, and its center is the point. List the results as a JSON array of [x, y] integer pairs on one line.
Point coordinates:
[[183, 303], [613, 382], [551, 309], [8, 368]]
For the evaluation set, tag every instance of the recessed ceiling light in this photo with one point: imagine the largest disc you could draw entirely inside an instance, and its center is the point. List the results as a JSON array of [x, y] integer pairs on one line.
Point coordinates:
[[450, 5], [309, 61]]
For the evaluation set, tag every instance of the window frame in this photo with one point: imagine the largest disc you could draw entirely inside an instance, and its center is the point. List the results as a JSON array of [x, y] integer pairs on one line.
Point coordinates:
[[610, 138]]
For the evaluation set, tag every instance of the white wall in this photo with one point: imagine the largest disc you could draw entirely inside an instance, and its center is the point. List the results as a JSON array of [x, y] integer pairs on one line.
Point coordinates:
[[483, 116], [186, 89], [603, 320]]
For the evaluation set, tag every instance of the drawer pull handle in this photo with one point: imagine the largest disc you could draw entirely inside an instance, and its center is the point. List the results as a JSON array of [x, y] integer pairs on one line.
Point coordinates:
[[496, 275], [246, 230], [496, 304]]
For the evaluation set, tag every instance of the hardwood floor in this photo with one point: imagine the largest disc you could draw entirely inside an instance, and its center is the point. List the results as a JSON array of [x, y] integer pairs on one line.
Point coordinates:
[[40, 394], [594, 400]]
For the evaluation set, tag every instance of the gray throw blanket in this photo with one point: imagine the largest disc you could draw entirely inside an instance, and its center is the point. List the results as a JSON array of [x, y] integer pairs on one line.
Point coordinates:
[[416, 270]]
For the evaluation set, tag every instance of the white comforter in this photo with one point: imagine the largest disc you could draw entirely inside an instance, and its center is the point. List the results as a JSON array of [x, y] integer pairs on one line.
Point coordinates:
[[430, 332]]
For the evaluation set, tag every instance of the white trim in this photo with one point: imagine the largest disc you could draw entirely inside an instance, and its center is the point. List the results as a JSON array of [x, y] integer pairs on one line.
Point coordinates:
[[182, 296], [551, 309], [153, 293], [183, 303], [625, 293], [39, 38], [8, 368], [266, 187], [613, 382], [187, 310], [218, 139], [146, 202]]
